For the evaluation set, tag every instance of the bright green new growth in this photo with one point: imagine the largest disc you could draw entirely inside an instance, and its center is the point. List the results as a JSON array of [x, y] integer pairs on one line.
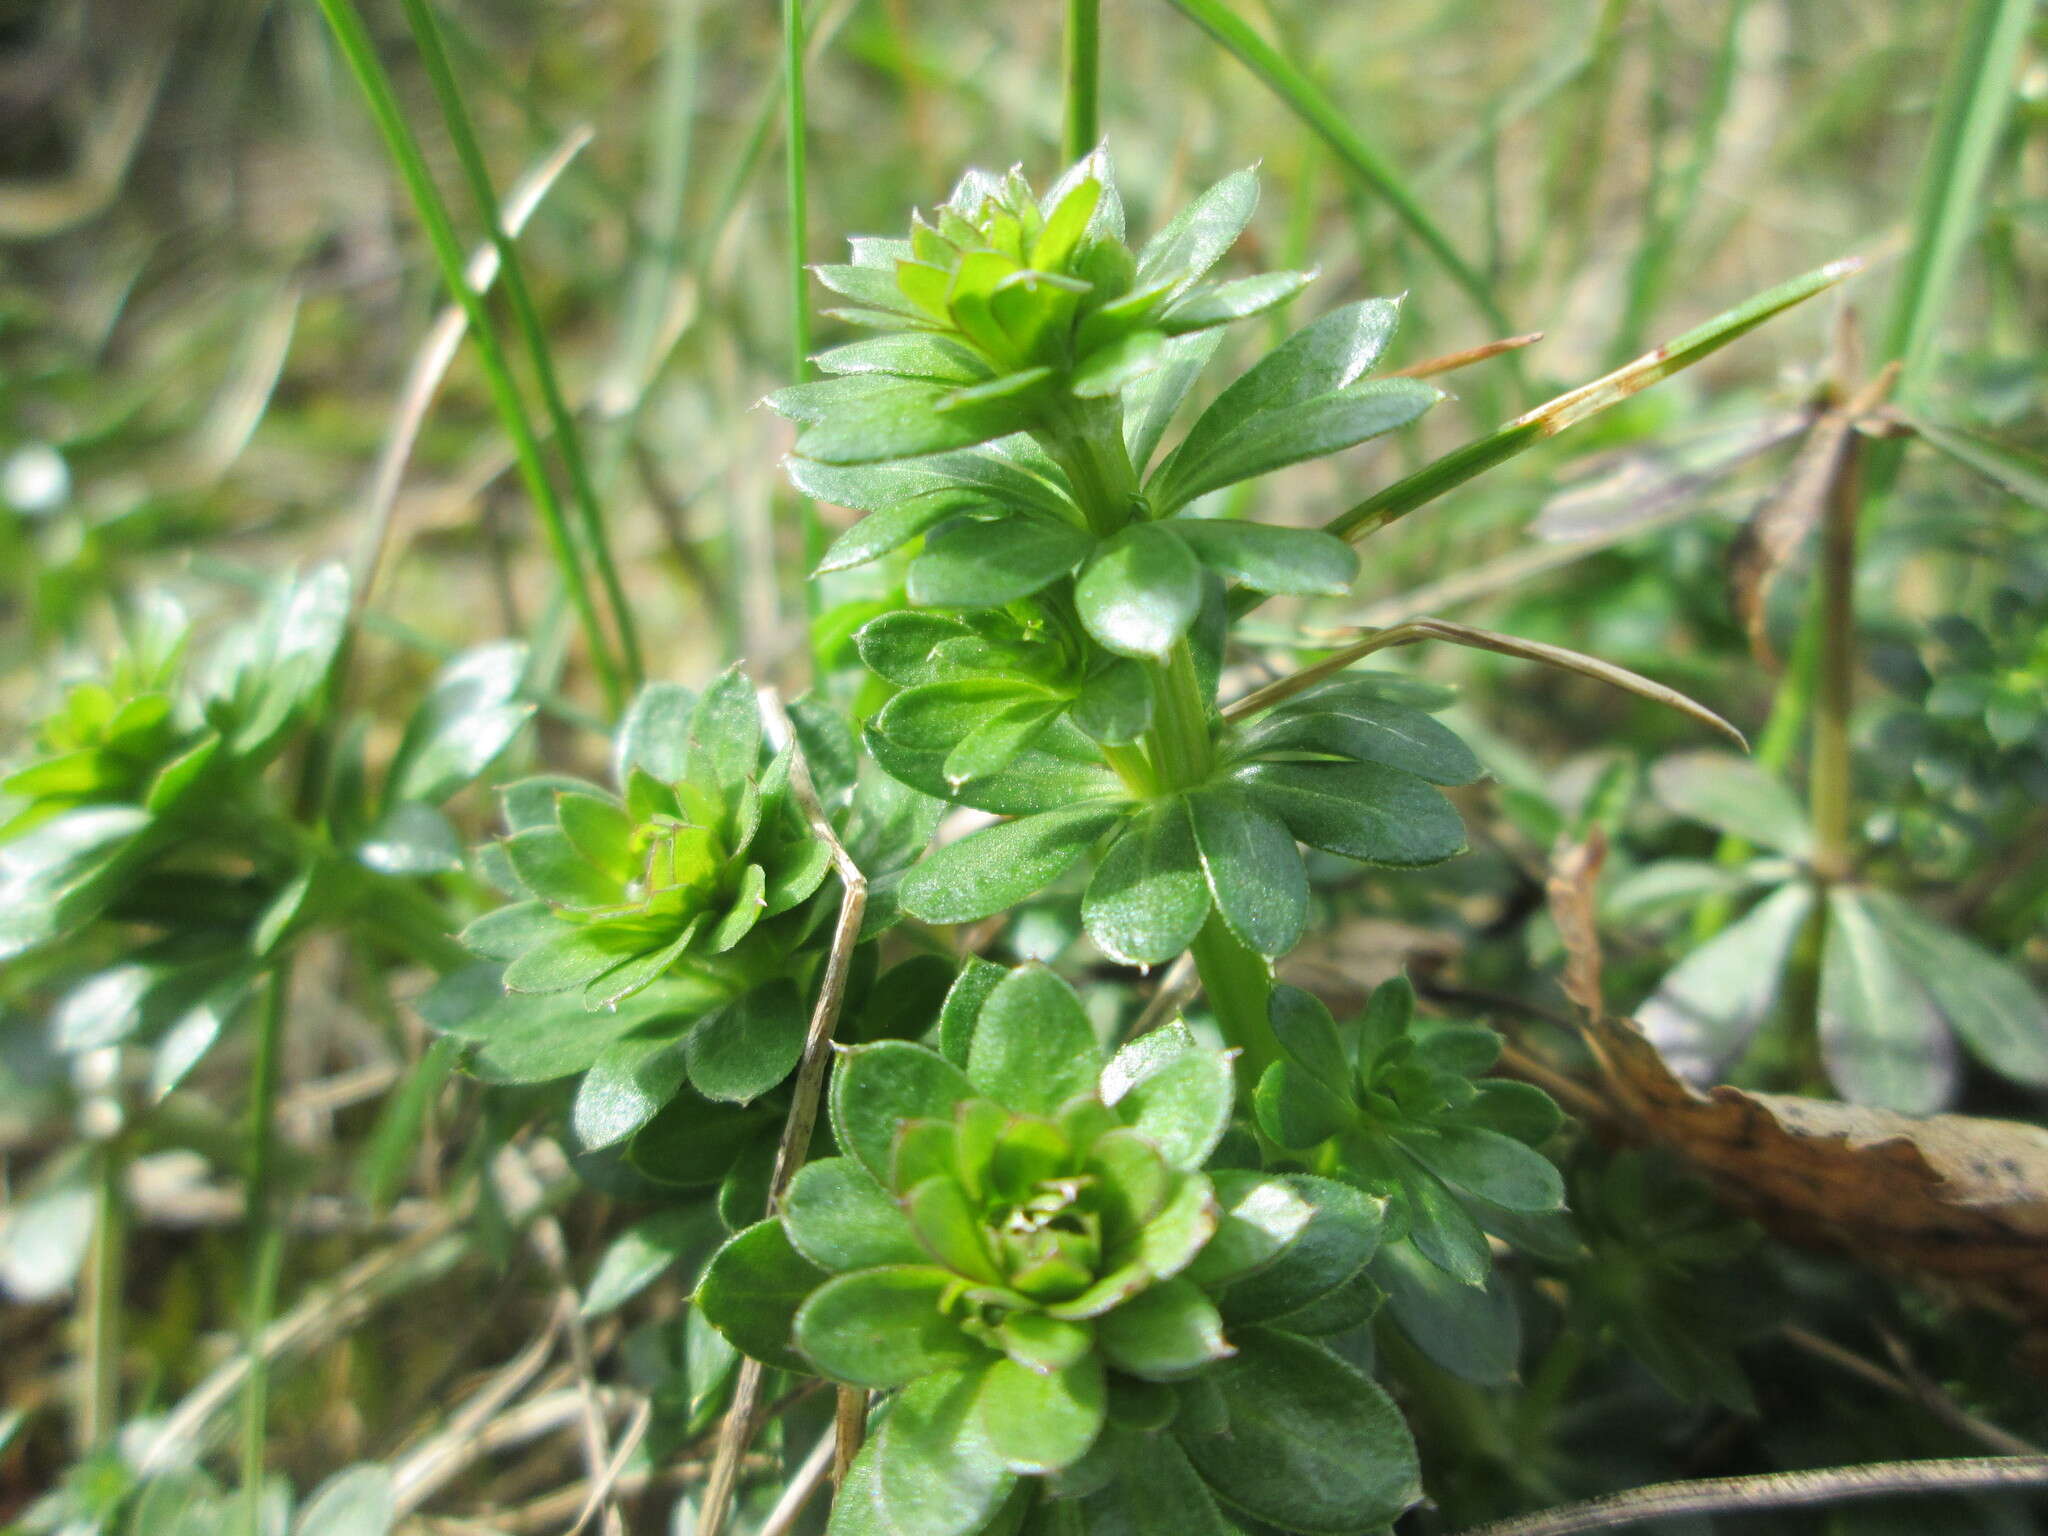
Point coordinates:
[[1020, 1242], [700, 848]]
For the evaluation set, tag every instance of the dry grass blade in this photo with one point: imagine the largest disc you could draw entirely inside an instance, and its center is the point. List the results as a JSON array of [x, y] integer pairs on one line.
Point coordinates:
[[425, 1471], [1777, 1490], [1574, 877], [430, 365], [1417, 630], [1450, 362], [738, 1427]]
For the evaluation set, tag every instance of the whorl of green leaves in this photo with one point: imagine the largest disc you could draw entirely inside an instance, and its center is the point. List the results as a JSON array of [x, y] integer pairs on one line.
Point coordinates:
[[1020, 1242], [703, 844], [1399, 1107]]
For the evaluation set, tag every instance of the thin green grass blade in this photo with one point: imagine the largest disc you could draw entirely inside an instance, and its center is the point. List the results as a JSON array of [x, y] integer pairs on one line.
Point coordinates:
[[426, 33], [1975, 101], [360, 54], [1553, 416], [1361, 159]]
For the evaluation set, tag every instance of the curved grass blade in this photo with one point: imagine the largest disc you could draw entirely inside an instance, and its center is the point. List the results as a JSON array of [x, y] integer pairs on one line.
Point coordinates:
[[1365, 162]]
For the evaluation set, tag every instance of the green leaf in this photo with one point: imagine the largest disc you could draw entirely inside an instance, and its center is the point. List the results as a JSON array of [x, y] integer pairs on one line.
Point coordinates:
[[841, 1219], [1033, 1047], [875, 1088], [627, 1086], [655, 735], [725, 730], [997, 867], [1259, 1216], [1150, 400], [1039, 1422], [574, 957], [1176, 1234], [1057, 770], [1213, 304], [1043, 1343], [947, 1224], [1485, 1163], [466, 719], [1991, 1004], [740, 1052], [1339, 1239], [903, 647], [411, 839], [598, 828], [1115, 705], [1254, 871], [1364, 811], [751, 1291], [1166, 1332], [879, 533], [1472, 1331], [996, 741], [697, 1141], [1308, 1035], [867, 418], [644, 1252], [974, 563], [963, 1005], [1109, 370], [527, 1039], [1140, 592], [1299, 1110], [1148, 897], [1195, 239], [906, 354], [1270, 559], [936, 1472], [1707, 1009], [1735, 795], [884, 1328], [1350, 723], [1520, 1110], [1183, 1107], [1152, 1490], [1314, 1445], [548, 865], [1881, 1036], [1442, 1229]]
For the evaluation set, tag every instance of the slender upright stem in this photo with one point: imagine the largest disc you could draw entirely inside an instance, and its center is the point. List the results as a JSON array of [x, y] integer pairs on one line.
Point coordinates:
[[1239, 985], [265, 1235], [1828, 784], [360, 52], [100, 1406], [1083, 128], [568, 438]]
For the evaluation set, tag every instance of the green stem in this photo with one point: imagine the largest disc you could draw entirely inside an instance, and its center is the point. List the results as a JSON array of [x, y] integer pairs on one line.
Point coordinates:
[[375, 83], [100, 1411], [1828, 784], [796, 164], [1084, 78], [1180, 731], [1239, 985], [265, 1236], [568, 440]]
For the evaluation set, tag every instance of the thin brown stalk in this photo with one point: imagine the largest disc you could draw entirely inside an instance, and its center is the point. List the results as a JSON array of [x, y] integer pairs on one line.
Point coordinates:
[[1777, 1490], [738, 1427], [1417, 630], [1450, 362], [1910, 1385]]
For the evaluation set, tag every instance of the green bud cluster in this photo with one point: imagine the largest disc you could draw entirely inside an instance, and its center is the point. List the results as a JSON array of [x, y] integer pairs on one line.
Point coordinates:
[[701, 848]]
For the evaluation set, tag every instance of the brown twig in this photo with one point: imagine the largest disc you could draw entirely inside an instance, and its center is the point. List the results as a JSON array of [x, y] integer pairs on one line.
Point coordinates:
[[1449, 362], [738, 1427], [1911, 1386], [1777, 1490]]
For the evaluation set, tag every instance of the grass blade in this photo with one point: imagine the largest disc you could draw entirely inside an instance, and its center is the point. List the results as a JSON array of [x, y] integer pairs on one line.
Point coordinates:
[[360, 54], [1553, 416], [568, 440], [1975, 100], [1308, 102]]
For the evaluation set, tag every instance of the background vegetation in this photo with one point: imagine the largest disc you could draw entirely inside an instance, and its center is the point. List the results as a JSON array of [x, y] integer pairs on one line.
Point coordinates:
[[222, 344]]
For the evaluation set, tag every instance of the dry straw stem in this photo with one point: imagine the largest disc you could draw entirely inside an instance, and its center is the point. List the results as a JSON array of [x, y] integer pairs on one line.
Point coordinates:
[[1416, 630], [1450, 362], [1778, 1490], [738, 1427]]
